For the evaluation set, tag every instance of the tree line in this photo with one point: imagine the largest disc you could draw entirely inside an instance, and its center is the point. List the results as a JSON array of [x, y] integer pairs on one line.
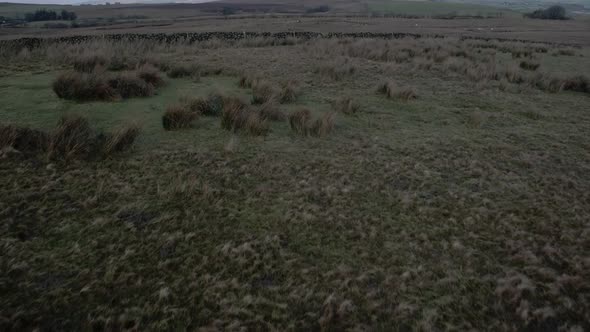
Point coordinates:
[[50, 15]]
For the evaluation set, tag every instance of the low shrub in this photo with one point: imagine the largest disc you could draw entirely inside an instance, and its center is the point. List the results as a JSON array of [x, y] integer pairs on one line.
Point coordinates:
[[178, 117]]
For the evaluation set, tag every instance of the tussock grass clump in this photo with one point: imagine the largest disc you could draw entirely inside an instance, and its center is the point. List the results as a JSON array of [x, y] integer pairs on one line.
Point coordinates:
[[346, 105], [526, 65], [178, 117], [129, 84], [215, 102], [566, 52], [392, 91], [237, 116], [83, 87], [151, 75], [99, 85], [198, 105], [88, 63], [323, 125], [577, 83], [301, 122], [336, 70], [73, 138], [247, 81], [270, 111], [178, 71], [23, 139], [121, 139], [263, 92], [289, 92]]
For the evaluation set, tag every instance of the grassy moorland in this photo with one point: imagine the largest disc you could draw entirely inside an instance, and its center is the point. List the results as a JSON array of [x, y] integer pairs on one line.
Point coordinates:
[[360, 184]]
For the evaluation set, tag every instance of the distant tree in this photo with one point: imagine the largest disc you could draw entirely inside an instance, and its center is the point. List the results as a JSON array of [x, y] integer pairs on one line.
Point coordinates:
[[552, 13]]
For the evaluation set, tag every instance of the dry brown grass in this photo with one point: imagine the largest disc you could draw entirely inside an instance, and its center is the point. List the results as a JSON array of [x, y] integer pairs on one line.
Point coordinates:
[[178, 117]]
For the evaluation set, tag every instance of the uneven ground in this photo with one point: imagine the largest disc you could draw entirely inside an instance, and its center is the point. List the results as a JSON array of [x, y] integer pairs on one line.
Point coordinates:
[[467, 208]]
